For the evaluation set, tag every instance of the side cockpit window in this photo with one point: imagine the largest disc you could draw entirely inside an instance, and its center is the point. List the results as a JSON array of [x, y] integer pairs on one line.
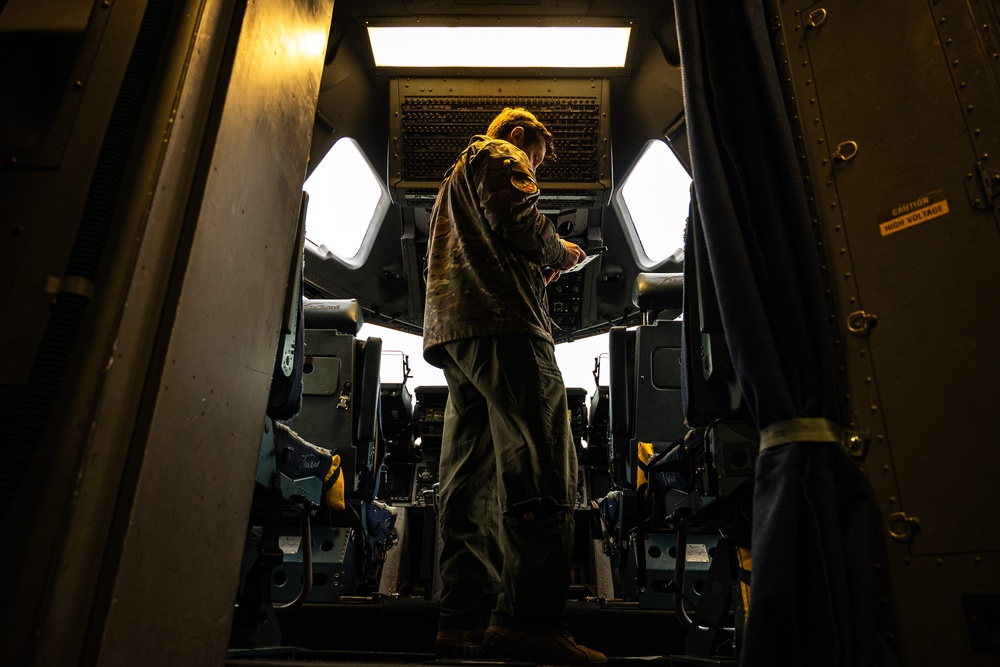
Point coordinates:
[[654, 204], [347, 201]]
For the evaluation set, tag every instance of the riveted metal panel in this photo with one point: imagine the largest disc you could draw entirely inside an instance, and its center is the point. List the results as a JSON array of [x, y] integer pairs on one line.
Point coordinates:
[[185, 498], [894, 104]]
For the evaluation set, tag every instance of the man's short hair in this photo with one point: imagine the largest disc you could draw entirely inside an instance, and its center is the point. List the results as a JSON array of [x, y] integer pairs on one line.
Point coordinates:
[[534, 130]]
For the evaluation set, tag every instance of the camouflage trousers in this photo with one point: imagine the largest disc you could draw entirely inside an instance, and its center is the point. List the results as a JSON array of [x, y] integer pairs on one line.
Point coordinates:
[[508, 482]]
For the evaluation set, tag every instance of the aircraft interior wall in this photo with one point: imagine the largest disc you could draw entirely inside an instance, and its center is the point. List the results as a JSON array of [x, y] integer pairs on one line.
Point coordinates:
[[159, 296], [182, 189], [892, 120]]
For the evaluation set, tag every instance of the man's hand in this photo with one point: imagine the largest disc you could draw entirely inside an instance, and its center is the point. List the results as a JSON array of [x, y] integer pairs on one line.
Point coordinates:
[[576, 255]]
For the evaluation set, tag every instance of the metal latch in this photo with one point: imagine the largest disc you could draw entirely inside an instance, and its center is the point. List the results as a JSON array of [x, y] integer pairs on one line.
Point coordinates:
[[861, 323], [816, 18], [856, 445], [846, 150], [903, 527], [990, 179], [985, 193], [345, 397]]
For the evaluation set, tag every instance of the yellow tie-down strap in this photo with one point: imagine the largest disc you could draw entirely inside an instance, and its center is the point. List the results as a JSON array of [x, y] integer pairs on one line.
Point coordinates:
[[745, 561], [334, 494], [805, 429], [645, 452], [333, 479]]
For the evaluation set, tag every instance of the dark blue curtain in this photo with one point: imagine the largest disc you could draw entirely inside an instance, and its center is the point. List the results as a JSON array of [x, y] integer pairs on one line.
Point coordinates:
[[813, 592]]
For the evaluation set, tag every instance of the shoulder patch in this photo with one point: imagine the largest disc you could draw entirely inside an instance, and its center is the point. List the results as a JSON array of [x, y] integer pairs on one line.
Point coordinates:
[[523, 183], [521, 179]]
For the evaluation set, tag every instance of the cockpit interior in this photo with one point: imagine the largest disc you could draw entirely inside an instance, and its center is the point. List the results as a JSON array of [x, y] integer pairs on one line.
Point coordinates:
[[222, 442]]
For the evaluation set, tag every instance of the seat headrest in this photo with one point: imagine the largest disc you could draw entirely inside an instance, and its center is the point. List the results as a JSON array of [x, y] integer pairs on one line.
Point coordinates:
[[654, 292], [343, 315]]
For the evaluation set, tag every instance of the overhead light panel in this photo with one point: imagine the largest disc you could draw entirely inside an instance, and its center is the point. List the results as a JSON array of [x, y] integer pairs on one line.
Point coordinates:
[[500, 47]]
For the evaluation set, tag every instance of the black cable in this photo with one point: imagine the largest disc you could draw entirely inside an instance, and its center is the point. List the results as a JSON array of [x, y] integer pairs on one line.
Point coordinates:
[[679, 562], [33, 407], [640, 536]]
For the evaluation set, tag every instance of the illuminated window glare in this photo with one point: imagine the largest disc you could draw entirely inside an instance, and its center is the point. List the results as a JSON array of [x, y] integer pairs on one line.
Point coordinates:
[[575, 359], [657, 194], [344, 194], [522, 46]]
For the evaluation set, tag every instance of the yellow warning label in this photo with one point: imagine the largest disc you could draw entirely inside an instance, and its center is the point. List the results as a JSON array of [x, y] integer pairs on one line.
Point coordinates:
[[912, 218]]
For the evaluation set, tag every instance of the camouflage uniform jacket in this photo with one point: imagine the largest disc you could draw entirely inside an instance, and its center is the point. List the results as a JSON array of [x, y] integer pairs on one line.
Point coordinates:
[[488, 244]]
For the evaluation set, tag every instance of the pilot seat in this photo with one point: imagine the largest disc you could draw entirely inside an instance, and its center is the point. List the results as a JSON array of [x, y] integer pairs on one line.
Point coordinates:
[[680, 472], [318, 468]]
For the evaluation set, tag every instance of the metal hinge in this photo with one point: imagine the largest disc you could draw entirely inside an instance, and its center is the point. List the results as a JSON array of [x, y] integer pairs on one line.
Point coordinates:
[[988, 193]]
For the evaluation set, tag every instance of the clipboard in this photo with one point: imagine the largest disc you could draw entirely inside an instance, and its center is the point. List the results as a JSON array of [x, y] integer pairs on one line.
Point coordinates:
[[592, 254]]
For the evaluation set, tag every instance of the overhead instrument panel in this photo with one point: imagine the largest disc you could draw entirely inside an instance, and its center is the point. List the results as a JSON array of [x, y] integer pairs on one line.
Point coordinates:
[[432, 120]]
